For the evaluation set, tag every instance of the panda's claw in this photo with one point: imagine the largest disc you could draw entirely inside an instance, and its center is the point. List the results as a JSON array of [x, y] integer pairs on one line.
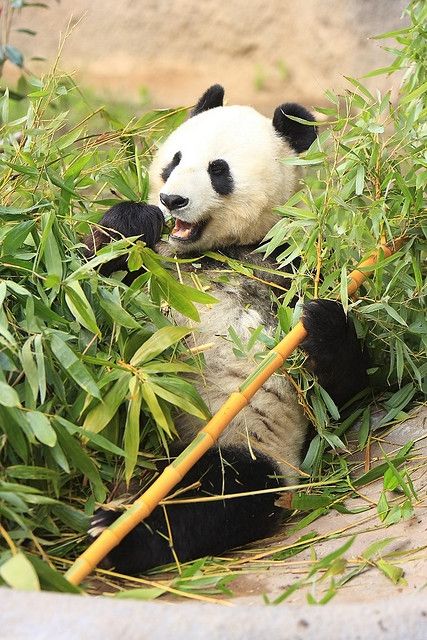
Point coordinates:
[[101, 520]]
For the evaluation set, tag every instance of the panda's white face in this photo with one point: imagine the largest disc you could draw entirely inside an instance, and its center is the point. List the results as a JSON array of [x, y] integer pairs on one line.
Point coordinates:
[[219, 175]]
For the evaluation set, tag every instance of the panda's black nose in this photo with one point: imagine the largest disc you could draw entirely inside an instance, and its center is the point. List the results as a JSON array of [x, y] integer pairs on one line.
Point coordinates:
[[172, 201]]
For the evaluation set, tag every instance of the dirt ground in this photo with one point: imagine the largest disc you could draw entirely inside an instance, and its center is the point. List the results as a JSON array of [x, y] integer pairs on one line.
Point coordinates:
[[404, 551], [264, 53], [407, 548]]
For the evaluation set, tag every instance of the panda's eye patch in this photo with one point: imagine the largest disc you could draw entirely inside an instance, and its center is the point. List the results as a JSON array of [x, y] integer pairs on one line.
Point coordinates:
[[221, 178], [171, 166], [218, 167]]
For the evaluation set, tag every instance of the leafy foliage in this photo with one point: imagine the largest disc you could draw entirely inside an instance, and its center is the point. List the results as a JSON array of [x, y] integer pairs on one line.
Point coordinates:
[[81, 355], [366, 186], [90, 368]]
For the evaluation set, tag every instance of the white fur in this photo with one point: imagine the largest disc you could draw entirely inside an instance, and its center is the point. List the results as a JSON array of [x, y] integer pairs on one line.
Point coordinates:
[[247, 141], [274, 422]]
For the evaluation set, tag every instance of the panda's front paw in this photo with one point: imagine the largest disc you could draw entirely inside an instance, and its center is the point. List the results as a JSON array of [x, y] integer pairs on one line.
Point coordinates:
[[324, 321], [333, 349]]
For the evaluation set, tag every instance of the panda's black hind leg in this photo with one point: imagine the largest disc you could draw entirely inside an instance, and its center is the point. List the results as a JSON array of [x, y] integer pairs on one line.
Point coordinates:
[[334, 351], [196, 529]]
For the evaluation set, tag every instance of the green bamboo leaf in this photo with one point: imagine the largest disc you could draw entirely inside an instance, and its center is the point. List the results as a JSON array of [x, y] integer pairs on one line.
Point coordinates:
[[53, 261], [19, 573], [98, 417], [77, 164], [394, 314], [176, 298], [41, 427], [300, 162], [50, 579], [59, 456], [17, 288], [24, 472], [360, 179], [399, 361], [327, 560], [29, 367], [132, 428], [68, 138], [179, 401], [73, 366], [308, 502], [416, 93], [58, 182], [95, 438], [159, 342], [375, 548], [81, 461], [8, 396], [144, 593], [330, 404], [391, 571], [157, 366], [41, 371], [365, 427], [15, 238], [196, 295], [110, 302], [120, 182], [154, 407], [80, 307], [48, 247]]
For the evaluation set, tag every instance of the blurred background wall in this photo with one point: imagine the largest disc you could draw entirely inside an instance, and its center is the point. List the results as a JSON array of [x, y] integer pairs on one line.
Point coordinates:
[[263, 51]]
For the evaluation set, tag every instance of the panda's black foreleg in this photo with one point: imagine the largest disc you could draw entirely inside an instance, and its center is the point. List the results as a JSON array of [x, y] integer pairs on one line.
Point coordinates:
[[192, 530], [334, 351], [125, 220]]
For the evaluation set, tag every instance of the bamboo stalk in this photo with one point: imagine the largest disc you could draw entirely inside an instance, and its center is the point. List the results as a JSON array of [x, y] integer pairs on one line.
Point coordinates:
[[206, 437]]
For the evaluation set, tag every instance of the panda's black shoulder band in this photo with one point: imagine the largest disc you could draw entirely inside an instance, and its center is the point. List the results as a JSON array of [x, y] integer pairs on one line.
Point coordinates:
[[300, 136]]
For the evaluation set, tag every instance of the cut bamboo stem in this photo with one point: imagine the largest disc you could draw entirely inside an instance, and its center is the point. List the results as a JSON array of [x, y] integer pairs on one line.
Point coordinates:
[[207, 436]]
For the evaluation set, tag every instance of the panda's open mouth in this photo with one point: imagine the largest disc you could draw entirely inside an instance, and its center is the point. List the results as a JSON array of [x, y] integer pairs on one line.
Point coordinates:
[[187, 231]]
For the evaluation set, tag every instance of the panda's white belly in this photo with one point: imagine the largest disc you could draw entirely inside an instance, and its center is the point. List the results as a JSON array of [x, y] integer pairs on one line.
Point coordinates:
[[273, 422]]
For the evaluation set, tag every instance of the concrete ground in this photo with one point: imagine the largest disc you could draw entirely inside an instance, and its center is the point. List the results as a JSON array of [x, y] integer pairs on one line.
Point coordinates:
[[43, 616], [373, 604]]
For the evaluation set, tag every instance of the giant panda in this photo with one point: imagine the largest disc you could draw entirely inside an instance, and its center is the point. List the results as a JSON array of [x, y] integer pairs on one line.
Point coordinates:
[[220, 176]]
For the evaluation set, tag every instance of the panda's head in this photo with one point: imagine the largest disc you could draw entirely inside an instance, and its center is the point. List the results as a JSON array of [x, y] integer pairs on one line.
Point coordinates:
[[220, 173]]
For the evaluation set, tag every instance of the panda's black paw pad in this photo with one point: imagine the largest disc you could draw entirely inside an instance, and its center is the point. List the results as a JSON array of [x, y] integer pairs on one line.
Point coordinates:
[[324, 321]]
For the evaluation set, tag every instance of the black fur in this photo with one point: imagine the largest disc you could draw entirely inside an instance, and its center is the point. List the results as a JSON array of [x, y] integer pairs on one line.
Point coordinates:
[[299, 136], [210, 528], [213, 97], [204, 528], [221, 178], [125, 220], [334, 356], [171, 166], [334, 352]]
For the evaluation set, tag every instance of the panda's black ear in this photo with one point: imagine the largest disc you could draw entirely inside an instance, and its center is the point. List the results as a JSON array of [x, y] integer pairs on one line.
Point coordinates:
[[299, 136], [212, 97]]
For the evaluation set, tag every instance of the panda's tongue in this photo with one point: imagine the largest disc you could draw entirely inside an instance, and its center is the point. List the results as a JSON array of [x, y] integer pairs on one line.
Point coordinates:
[[182, 229]]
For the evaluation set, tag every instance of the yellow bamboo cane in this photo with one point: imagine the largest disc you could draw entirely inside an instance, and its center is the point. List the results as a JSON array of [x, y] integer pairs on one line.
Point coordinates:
[[207, 436]]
